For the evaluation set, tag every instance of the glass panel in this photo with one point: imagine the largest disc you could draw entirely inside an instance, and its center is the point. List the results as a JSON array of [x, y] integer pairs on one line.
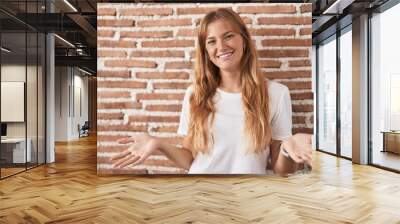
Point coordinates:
[[31, 97], [385, 89], [327, 96], [13, 86], [346, 94], [41, 98]]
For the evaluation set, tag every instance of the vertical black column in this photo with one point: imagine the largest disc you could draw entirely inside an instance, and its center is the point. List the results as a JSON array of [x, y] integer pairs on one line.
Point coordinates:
[[316, 97], [26, 86], [1, 164], [338, 73]]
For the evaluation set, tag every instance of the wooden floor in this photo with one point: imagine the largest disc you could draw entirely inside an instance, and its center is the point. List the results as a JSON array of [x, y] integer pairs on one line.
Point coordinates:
[[70, 191], [387, 159]]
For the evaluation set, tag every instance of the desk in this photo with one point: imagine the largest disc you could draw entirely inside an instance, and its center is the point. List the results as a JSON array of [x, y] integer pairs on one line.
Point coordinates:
[[16, 148], [391, 141]]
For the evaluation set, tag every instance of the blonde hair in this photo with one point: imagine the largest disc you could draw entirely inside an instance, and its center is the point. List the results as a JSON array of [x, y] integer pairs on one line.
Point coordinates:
[[207, 78]]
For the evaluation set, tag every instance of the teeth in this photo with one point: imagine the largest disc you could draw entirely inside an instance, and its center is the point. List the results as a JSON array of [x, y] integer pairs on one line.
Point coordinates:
[[225, 55]]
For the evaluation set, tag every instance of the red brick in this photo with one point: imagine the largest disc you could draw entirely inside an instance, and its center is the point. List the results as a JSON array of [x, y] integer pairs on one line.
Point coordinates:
[[110, 116], [285, 20], [160, 96], [305, 31], [172, 108], [110, 138], [115, 148], [146, 11], [178, 65], [120, 105], [106, 53], [310, 119], [164, 22], [167, 53], [270, 9], [105, 33], [286, 42], [282, 53], [122, 147], [169, 43], [302, 96], [273, 32], [198, 10], [150, 118], [298, 120], [306, 8], [269, 64], [115, 23], [171, 85], [299, 63], [121, 84], [162, 75], [106, 12], [121, 127], [130, 63], [113, 94], [287, 74], [186, 32], [303, 108], [302, 130], [146, 34], [119, 74], [173, 129], [116, 44], [292, 85]]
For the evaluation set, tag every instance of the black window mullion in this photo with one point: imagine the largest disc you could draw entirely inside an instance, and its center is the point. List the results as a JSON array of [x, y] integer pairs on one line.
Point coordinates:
[[369, 79], [37, 90], [26, 87], [338, 73], [316, 96], [0, 95]]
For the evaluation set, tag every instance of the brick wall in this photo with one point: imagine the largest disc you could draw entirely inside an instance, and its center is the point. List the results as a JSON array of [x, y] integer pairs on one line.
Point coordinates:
[[145, 58]]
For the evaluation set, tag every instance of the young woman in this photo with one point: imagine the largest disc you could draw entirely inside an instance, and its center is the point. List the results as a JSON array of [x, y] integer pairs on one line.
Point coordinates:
[[233, 120]]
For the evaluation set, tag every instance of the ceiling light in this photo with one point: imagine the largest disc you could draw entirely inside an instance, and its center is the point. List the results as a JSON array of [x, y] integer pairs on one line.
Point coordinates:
[[70, 5], [5, 50], [65, 41]]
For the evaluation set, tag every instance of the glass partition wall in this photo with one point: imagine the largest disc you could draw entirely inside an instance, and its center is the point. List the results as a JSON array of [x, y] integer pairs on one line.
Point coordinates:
[[345, 83], [22, 77], [385, 90], [334, 94], [327, 95]]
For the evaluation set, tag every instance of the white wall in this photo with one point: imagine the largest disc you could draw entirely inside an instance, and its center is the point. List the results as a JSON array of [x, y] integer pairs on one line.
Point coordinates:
[[16, 73], [69, 82]]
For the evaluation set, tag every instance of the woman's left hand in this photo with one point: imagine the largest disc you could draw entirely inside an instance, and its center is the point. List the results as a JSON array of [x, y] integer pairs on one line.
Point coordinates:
[[299, 148]]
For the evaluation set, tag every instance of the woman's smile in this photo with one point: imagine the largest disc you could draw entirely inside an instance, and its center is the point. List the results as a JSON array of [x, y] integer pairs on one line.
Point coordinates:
[[224, 45], [225, 56]]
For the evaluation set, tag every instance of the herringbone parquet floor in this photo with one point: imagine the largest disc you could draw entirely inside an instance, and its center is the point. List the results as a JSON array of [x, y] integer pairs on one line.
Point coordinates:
[[70, 191]]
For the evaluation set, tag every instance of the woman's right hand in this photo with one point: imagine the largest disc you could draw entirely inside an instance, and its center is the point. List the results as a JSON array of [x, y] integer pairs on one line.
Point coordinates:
[[142, 146]]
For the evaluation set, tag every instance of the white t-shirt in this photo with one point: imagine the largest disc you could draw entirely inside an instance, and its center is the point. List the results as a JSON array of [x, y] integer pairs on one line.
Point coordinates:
[[228, 155]]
